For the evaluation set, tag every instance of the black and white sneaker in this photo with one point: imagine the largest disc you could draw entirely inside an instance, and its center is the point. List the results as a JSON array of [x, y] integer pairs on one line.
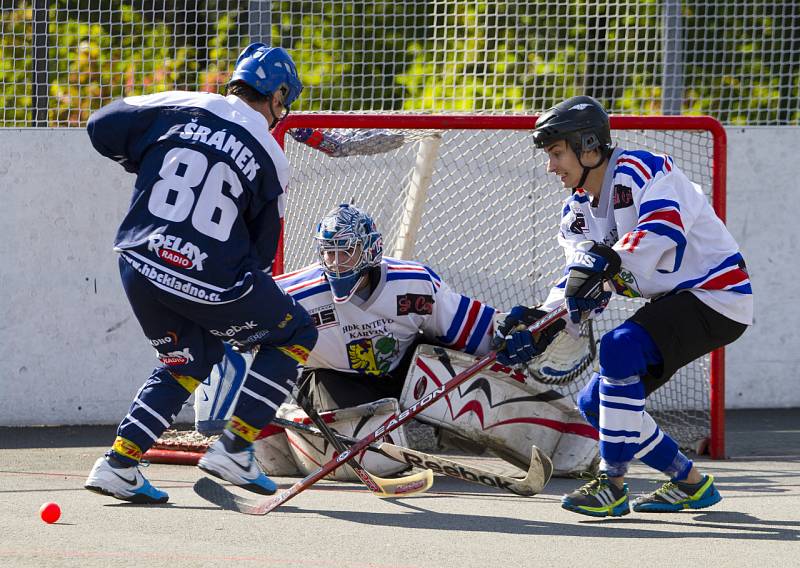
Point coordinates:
[[239, 468], [125, 483]]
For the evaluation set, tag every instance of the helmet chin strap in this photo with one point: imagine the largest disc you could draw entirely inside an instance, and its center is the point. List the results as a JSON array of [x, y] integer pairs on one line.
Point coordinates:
[[587, 169], [275, 119]]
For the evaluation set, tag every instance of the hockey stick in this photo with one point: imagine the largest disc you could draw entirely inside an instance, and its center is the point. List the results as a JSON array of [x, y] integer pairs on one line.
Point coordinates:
[[538, 473], [253, 507], [380, 486]]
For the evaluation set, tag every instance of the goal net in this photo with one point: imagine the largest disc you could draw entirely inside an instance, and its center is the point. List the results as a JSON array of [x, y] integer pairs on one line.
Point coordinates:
[[470, 196]]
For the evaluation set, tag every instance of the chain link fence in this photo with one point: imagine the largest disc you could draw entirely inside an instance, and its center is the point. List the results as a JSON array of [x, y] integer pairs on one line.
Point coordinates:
[[737, 60]]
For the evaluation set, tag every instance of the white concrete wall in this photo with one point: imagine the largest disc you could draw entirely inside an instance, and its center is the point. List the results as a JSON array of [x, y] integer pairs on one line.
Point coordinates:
[[71, 351], [763, 196]]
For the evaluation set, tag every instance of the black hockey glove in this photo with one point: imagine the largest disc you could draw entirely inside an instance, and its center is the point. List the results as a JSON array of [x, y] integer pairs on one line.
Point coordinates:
[[591, 265], [514, 344]]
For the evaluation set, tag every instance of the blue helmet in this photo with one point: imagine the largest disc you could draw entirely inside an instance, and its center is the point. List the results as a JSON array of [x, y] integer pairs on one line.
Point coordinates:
[[267, 70], [348, 244]]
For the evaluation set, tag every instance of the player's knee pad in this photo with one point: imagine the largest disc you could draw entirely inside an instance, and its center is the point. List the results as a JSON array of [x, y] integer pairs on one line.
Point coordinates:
[[588, 401], [626, 351]]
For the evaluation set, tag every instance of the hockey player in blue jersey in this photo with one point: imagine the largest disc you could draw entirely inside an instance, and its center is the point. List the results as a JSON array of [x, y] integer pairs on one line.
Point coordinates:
[[195, 252], [634, 219]]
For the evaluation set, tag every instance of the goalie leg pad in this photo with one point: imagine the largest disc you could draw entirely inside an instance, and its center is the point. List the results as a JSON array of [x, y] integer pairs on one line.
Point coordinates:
[[310, 451], [498, 408], [273, 453], [216, 397]]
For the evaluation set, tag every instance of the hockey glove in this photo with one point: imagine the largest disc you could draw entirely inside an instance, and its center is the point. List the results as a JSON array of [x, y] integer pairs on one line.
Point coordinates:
[[514, 344], [591, 265]]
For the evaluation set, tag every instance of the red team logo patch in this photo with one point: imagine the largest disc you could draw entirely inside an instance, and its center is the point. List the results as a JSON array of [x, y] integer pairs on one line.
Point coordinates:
[[421, 304]]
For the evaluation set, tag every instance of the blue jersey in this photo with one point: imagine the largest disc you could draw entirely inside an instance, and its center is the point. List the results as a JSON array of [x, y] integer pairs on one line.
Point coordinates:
[[209, 194]]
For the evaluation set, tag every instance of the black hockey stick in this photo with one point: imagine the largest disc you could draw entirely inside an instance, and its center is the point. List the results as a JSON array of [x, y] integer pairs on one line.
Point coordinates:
[[380, 486], [262, 507], [538, 473]]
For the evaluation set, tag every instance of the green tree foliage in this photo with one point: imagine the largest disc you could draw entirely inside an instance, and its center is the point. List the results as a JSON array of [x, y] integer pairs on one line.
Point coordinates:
[[741, 60]]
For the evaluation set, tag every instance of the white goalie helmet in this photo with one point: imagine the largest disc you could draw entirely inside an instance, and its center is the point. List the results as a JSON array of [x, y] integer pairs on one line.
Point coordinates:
[[348, 244]]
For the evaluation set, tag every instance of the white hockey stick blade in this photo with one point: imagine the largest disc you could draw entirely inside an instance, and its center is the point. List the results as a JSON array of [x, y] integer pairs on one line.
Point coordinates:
[[214, 492], [537, 476], [406, 486], [380, 487]]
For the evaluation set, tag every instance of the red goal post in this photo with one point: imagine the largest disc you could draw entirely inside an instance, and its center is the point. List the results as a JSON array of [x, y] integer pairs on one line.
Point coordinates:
[[481, 172]]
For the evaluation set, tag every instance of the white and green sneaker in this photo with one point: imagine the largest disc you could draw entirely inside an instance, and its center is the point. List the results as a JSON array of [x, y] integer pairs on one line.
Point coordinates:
[[598, 498], [678, 495]]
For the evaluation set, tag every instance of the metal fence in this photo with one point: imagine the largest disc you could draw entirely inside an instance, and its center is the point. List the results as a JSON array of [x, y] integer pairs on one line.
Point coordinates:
[[737, 60]]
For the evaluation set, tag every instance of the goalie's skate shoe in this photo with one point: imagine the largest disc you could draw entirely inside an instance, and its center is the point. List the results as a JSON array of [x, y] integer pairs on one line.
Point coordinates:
[[677, 496], [598, 498], [239, 468], [125, 483]]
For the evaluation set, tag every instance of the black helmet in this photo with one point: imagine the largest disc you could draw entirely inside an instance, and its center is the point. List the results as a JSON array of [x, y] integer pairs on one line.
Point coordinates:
[[581, 121]]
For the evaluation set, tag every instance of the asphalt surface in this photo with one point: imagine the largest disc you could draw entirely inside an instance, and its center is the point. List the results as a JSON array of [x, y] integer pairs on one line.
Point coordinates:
[[455, 524]]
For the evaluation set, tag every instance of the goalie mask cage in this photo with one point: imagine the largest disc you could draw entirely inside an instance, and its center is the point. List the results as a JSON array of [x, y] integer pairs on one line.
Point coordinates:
[[470, 196]]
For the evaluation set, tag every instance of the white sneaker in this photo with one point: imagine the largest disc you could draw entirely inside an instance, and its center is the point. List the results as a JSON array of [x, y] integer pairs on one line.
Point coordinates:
[[126, 483], [240, 468]]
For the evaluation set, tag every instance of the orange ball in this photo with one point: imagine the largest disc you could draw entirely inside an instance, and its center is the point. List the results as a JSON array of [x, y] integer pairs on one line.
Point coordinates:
[[50, 512]]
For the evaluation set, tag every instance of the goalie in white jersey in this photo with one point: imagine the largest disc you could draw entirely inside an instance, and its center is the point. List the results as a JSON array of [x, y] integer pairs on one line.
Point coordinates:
[[371, 310], [635, 219]]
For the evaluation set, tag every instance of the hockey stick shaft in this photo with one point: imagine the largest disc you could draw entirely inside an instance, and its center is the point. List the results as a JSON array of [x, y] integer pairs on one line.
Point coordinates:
[[271, 503], [527, 485], [399, 487]]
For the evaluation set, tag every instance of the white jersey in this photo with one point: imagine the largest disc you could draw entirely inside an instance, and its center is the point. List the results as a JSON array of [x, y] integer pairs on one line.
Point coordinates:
[[666, 233], [371, 336]]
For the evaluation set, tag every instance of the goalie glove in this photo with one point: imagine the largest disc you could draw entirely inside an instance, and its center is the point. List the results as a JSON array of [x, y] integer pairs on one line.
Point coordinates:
[[591, 264], [516, 345], [338, 144]]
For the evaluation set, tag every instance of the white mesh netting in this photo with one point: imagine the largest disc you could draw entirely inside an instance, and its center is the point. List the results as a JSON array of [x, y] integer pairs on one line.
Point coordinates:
[[488, 226]]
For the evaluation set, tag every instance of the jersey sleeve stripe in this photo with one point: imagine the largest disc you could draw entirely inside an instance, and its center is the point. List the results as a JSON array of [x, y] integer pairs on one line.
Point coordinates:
[[670, 233], [656, 204], [306, 292], [480, 330], [733, 264], [472, 315], [296, 273], [670, 216], [638, 164], [631, 173], [734, 277], [408, 276], [291, 289], [463, 304]]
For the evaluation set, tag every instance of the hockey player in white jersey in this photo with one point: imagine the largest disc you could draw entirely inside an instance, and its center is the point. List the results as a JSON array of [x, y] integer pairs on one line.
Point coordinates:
[[634, 219]]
